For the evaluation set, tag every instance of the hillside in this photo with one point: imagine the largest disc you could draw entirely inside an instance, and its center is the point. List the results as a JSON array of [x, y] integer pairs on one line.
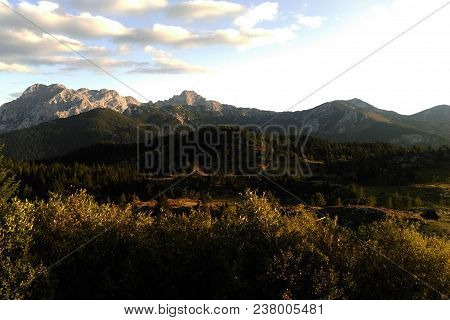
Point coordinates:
[[61, 136], [340, 121]]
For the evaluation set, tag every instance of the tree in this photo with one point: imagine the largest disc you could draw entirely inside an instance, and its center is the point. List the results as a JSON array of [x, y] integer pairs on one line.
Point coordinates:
[[388, 203], [338, 202], [17, 267], [371, 201], [123, 198], [407, 201], [396, 200], [358, 192], [318, 200], [27, 191], [418, 202], [8, 184]]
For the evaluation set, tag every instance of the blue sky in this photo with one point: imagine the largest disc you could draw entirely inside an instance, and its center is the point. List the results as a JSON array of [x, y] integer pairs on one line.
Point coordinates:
[[264, 54]]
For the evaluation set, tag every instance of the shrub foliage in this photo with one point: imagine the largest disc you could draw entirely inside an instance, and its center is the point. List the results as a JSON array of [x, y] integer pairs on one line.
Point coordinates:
[[246, 251]]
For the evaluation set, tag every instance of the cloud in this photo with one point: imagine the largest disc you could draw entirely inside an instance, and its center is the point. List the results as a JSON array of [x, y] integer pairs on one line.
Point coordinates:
[[266, 11], [50, 18], [15, 95], [24, 51], [160, 34], [248, 35], [204, 9], [22, 43], [26, 48], [164, 62], [170, 34], [14, 67], [255, 37], [183, 38], [119, 7], [123, 49], [75, 63], [312, 22]]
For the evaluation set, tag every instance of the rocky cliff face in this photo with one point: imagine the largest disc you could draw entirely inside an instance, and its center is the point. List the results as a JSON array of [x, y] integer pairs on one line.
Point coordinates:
[[191, 98], [40, 103]]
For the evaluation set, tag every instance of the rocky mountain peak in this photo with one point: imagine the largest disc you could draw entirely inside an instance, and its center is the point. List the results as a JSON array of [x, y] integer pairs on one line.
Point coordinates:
[[187, 97], [43, 89], [191, 98], [41, 103], [361, 104]]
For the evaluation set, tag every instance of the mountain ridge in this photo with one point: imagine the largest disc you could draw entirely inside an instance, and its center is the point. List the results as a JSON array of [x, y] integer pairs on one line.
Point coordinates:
[[339, 120]]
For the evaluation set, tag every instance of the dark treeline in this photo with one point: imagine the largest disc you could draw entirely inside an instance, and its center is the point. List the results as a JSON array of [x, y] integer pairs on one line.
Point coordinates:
[[337, 170]]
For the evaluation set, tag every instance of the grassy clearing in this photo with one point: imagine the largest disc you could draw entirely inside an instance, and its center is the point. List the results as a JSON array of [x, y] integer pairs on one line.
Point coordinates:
[[431, 194]]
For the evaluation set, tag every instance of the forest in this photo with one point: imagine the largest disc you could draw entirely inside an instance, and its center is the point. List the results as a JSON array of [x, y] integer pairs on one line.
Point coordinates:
[[366, 225]]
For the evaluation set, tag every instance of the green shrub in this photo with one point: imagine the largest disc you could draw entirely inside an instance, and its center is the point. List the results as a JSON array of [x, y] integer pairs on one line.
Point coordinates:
[[318, 200], [252, 251], [401, 263], [19, 268]]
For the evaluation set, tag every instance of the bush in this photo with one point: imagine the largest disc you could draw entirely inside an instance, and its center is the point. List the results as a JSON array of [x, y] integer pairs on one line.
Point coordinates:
[[318, 200], [401, 263], [19, 267], [253, 251]]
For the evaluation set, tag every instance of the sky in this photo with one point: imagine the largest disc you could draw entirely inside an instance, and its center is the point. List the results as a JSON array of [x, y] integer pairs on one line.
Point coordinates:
[[261, 54]]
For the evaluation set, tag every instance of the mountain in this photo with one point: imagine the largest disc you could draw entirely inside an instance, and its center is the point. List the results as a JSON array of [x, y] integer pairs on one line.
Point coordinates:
[[191, 98], [341, 121], [40, 103], [435, 120], [113, 119], [61, 136], [439, 114], [355, 120]]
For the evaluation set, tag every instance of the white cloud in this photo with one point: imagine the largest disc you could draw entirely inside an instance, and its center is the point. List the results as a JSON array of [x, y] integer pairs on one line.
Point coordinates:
[[171, 34], [14, 67], [246, 36], [183, 38], [20, 38], [255, 37], [162, 34], [312, 22], [204, 9], [23, 51], [49, 16], [165, 62], [123, 49], [48, 6], [119, 7], [25, 43], [266, 11]]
